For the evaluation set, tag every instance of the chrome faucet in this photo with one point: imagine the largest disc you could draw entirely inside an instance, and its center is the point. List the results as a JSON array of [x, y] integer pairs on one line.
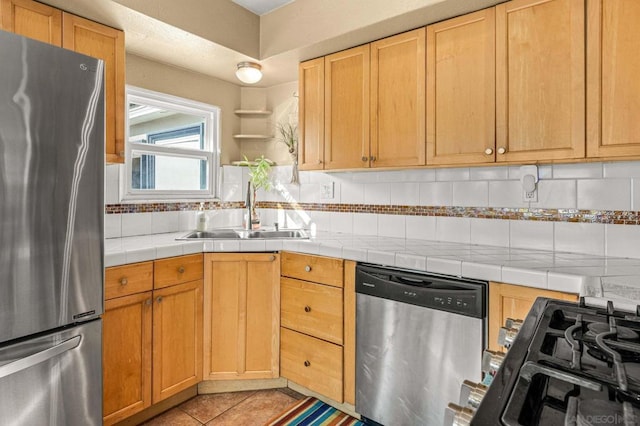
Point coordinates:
[[249, 205]]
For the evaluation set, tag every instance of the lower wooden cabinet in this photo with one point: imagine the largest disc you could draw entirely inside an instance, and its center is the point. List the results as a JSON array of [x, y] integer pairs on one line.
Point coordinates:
[[126, 356], [312, 363], [152, 338], [177, 339], [514, 301], [318, 312], [242, 316]]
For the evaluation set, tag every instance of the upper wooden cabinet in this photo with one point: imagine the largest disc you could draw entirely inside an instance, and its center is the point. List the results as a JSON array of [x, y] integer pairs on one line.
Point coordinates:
[[613, 87], [106, 43], [398, 100], [311, 111], [50, 25], [32, 19], [540, 80], [374, 106], [461, 89], [242, 316], [346, 109]]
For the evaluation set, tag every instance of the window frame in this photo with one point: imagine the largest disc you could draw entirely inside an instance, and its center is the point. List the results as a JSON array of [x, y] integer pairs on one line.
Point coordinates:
[[211, 153]]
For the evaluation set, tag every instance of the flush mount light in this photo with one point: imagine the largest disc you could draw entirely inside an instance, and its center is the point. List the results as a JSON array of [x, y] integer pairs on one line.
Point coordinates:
[[249, 72]]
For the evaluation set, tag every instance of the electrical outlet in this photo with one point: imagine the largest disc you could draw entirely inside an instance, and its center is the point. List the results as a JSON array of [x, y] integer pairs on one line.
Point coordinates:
[[326, 190], [530, 196]]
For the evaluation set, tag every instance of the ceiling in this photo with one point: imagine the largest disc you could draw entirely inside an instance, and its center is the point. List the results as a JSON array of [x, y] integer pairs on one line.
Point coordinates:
[[260, 7], [211, 36]]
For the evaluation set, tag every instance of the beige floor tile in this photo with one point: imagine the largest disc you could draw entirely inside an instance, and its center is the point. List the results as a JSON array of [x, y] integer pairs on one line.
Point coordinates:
[[206, 407], [255, 410], [174, 417]]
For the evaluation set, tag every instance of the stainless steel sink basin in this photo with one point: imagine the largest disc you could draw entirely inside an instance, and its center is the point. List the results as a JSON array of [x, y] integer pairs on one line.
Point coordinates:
[[207, 235], [290, 233], [233, 234]]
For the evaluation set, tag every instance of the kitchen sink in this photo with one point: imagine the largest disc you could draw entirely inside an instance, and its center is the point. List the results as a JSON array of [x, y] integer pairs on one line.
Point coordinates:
[[290, 233], [207, 235], [233, 234]]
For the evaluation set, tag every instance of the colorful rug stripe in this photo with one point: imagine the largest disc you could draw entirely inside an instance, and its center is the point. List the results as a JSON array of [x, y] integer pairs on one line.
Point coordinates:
[[312, 412]]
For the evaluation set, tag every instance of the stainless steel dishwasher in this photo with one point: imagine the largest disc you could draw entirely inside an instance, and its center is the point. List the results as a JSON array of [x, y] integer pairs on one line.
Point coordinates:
[[418, 337]]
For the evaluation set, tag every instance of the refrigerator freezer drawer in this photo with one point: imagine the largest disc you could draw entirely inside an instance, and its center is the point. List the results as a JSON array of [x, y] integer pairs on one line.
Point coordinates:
[[54, 379]]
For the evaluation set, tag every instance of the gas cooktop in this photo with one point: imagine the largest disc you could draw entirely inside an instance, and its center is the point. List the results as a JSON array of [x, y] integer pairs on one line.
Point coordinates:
[[570, 364]]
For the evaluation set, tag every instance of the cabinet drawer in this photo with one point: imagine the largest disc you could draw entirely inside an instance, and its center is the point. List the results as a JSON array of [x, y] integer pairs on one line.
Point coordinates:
[[325, 270], [312, 363], [313, 309], [177, 270], [128, 279]]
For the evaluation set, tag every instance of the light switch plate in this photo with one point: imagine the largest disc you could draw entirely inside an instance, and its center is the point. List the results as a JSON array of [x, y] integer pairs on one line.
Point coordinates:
[[326, 190]]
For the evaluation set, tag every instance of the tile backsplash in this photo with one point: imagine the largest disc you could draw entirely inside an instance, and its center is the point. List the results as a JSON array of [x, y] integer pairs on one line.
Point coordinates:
[[578, 210]]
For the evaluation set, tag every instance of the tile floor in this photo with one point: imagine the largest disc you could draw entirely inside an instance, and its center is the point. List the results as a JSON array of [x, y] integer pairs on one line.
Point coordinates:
[[249, 408]]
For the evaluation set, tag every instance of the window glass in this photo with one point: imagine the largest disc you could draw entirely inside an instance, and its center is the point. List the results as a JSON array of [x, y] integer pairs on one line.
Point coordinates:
[[172, 147]]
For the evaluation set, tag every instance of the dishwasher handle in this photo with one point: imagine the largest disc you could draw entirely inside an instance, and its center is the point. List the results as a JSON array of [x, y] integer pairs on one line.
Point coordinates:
[[460, 296]]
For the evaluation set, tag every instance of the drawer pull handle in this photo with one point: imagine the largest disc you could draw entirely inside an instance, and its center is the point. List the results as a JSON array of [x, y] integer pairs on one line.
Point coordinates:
[[307, 308], [124, 281], [181, 270], [307, 363], [307, 268]]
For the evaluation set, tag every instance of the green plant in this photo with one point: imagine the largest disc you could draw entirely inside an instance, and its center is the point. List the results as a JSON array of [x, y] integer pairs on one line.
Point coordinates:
[[259, 173], [289, 136]]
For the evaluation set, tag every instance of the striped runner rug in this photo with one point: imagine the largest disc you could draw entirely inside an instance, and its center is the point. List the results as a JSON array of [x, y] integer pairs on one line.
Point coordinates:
[[312, 412]]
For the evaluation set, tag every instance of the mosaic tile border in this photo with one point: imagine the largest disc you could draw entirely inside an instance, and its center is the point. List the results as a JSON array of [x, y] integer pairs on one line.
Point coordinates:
[[505, 213]]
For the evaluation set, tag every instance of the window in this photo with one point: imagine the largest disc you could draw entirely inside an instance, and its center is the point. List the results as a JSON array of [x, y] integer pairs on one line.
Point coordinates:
[[172, 149]]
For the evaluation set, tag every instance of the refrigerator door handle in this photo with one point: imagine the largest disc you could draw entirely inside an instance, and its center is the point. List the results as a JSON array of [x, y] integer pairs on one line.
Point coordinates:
[[38, 357]]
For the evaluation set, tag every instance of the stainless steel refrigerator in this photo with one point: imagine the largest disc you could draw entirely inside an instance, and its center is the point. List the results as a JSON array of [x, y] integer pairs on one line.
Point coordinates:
[[51, 234]]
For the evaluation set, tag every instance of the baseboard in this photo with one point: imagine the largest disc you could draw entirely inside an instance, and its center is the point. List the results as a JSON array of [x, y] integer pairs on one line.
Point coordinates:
[[342, 406], [160, 407], [220, 386]]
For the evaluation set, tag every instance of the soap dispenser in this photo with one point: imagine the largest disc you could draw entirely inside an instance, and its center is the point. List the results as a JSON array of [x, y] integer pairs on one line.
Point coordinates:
[[202, 220]]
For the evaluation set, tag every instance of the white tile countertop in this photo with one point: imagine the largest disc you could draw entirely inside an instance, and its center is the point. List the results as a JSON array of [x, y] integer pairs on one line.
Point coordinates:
[[594, 276]]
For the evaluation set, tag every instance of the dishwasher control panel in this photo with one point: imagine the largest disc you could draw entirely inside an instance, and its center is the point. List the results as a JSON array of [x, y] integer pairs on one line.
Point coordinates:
[[451, 294]]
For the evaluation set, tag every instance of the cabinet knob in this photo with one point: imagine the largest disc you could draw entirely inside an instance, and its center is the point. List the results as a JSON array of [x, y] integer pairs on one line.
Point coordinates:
[[181, 270], [273, 258], [307, 363], [319, 161], [364, 158], [307, 268], [307, 308], [159, 299], [124, 281], [372, 158], [488, 151], [148, 302], [502, 150]]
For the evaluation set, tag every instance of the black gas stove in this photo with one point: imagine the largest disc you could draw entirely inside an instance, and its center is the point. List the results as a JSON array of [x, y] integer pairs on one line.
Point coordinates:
[[570, 364]]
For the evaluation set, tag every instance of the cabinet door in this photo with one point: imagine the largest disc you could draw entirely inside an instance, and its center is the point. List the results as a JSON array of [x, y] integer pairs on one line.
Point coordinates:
[[126, 356], [398, 100], [461, 89], [31, 19], [613, 87], [242, 316], [540, 78], [177, 339], [346, 114], [514, 301], [99, 41], [311, 115]]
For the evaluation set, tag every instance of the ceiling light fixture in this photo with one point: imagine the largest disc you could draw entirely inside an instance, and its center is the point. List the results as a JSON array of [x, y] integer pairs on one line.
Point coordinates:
[[249, 72]]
